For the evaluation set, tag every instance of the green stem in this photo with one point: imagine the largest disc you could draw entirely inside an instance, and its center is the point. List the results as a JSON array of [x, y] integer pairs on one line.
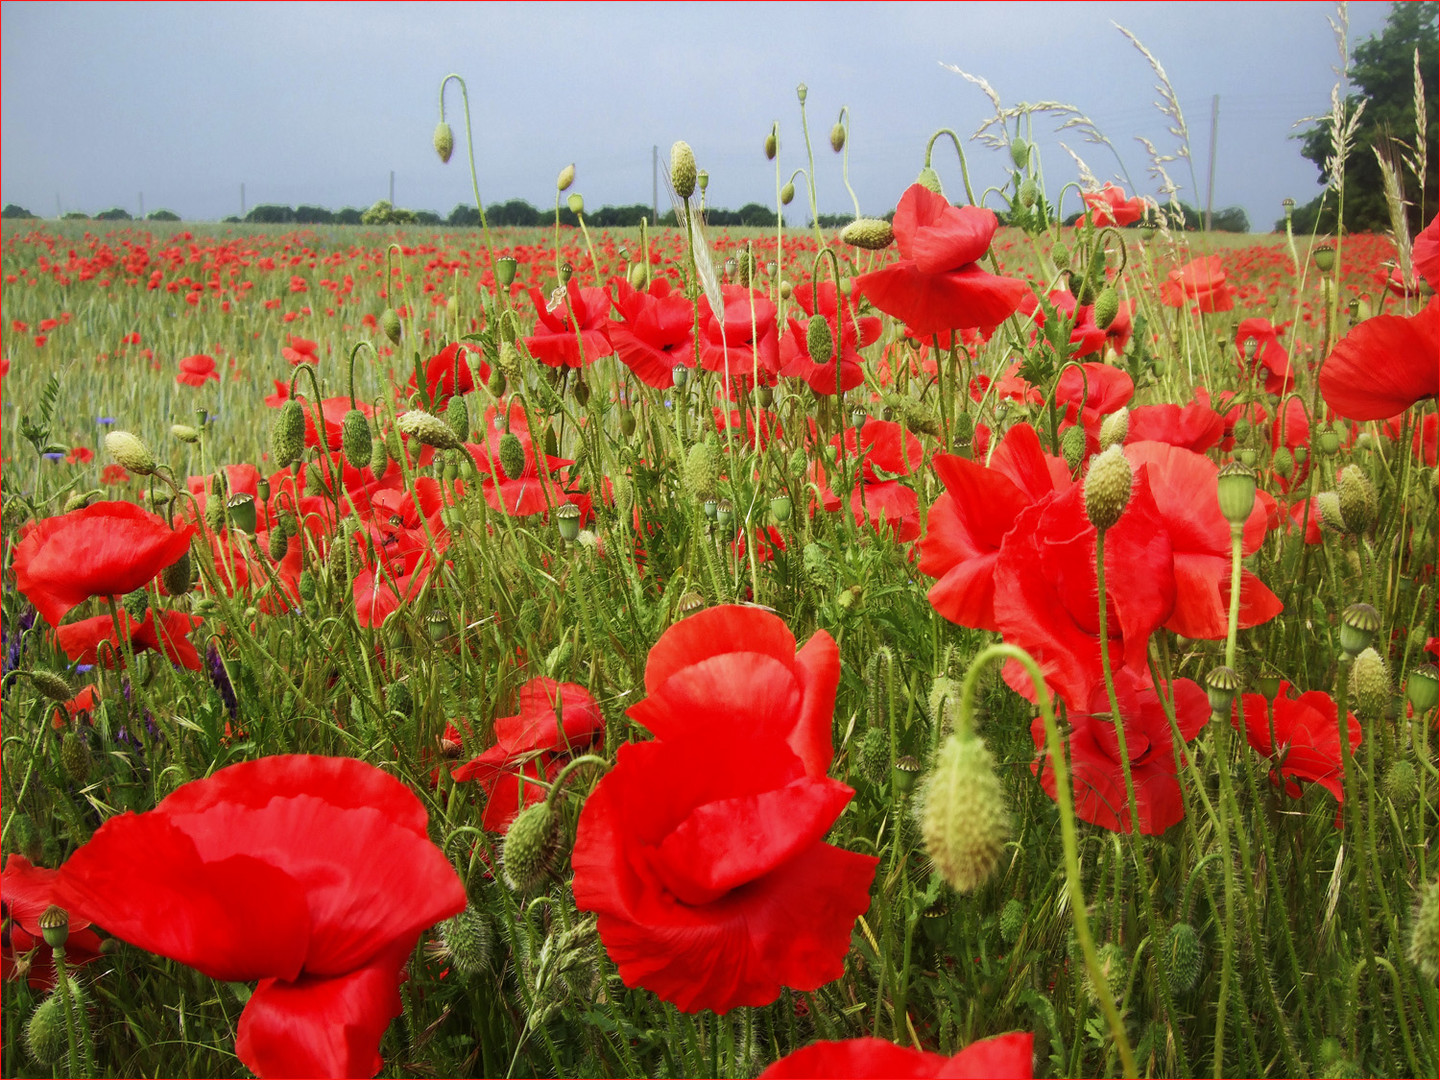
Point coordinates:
[[470, 150]]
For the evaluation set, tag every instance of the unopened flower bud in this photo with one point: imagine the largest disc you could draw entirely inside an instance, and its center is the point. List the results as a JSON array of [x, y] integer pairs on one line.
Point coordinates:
[[1282, 462], [772, 145], [467, 940], [1186, 957], [962, 813], [819, 342], [428, 429], [390, 323], [1029, 193], [929, 179], [1371, 682], [1114, 428], [1423, 948], [872, 234], [185, 433], [531, 846], [1107, 488], [566, 178], [1359, 504], [787, 194], [131, 452], [444, 142], [837, 137], [1012, 921], [1019, 153], [457, 416], [1107, 307], [1072, 446], [355, 438], [1401, 784], [48, 683], [512, 456], [81, 499], [287, 433], [682, 170]]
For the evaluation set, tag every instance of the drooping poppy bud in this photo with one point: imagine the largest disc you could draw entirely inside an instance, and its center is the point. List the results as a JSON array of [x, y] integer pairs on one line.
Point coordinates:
[[819, 342], [1107, 307], [837, 137], [1186, 957], [287, 433], [963, 818], [444, 142], [1107, 490], [872, 234], [1358, 502], [428, 429], [1114, 428], [467, 940], [178, 577], [531, 846], [131, 452], [355, 438]]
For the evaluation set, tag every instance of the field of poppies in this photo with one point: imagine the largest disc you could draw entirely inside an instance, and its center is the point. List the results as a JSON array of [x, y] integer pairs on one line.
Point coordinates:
[[925, 649]]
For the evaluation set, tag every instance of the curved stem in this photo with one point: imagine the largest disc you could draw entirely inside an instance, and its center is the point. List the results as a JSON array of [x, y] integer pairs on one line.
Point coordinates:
[[964, 169], [470, 150]]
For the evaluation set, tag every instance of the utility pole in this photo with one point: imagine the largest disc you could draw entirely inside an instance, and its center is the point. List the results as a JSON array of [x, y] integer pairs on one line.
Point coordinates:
[[392, 187], [655, 185], [1210, 183], [142, 206], [242, 199]]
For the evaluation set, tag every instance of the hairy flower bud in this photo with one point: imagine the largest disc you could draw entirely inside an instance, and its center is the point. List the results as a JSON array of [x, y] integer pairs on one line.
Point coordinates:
[[772, 146], [355, 438], [467, 940], [1012, 920], [390, 323], [1107, 306], [819, 342], [1019, 152], [929, 179], [46, 1034], [1282, 462], [962, 813], [701, 472], [457, 415], [444, 142], [75, 758], [531, 846], [1401, 784], [1072, 447], [1186, 957], [1371, 681], [787, 194], [682, 170], [872, 234], [512, 455], [566, 178], [1107, 488], [1359, 504], [428, 429], [1114, 428], [287, 433], [185, 433], [48, 683], [131, 452], [1424, 943]]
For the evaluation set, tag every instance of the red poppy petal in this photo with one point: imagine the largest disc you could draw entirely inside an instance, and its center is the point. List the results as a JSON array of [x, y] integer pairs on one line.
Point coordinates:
[[322, 1026], [1384, 365], [856, 1058]]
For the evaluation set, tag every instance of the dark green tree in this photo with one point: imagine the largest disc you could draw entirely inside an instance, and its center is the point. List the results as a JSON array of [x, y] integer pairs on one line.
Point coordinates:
[[13, 211], [1382, 69]]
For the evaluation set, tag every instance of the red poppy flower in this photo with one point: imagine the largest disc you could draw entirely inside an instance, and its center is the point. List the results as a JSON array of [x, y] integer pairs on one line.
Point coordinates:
[[300, 351], [1086, 338], [81, 640], [1268, 357], [447, 373], [938, 285], [197, 370], [25, 892], [855, 334], [1195, 427], [530, 492], [82, 704], [746, 345], [657, 334], [554, 718], [1185, 486], [105, 549], [1202, 282], [555, 341], [81, 455], [1306, 738], [1045, 590], [703, 851], [1005, 1057], [1384, 365], [313, 875], [886, 451], [968, 523], [1109, 206], [1095, 763]]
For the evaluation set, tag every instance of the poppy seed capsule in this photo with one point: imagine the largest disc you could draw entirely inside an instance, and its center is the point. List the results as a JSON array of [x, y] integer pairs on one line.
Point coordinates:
[[1235, 491], [240, 509], [131, 452], [355, 438], [428, 429], [54, 923], [505, 268], [566, 178], [1423, 688], [1108, 485], [1358, 625], [819, 342], [531, 846], [1221, 686], [567, 522], [872, 234], [575, 202], [963, 818], [185, 433], [444, 142], [682, 170]]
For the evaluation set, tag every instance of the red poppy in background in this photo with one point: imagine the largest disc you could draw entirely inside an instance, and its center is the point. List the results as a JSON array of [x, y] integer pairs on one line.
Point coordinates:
[[105, 549], [313, 875], [528, 493], [1384, 365], [300, 351], [703, 851], [1096, 770], [554, 718], [1425, 253], [1005, 1057], [1109, 206], [887, 451], [968, 523], [657, 332], [1195, 427], [447, 373], [82, 640], [1202, 282], [1306, 738], [555, 341], [1269, 356], [746, 345], [938, 285], [855, 334], [25, 892], [197, 370], [1186, 490]]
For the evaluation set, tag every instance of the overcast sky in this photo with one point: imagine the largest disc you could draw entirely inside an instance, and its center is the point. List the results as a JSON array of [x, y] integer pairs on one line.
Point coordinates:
[[317, 103]]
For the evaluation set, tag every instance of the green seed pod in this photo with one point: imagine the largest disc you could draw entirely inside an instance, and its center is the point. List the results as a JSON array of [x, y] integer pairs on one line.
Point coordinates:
[[872, 234], [637, 276], [1422, 688], [1221, 686], [1072, 446], [929, 179], [1424, 943], [337, 558], [819, 342], [1324, 257], [444, 142], [512, 455], [355, 438], [943, 704], [390, 324], [287, 433], [1371, 682], [682, 170], [468, 941], [1402, 785], [1359, 504], [787, 194], [906, 770], [1108, 485], [1107, 306], [46, 1036], [428, 429], [566, 178], [780, 508], [531, 847], [1114, 428], [920, 419], [457, 415], [837, 137], [1012, 920], [179, 577], [962, 813], [131, 452], [627, 423], [75, 758], [1186, 958], [567, 522], [1358, 626], [1235, 490], [798, 464], [575, 202]]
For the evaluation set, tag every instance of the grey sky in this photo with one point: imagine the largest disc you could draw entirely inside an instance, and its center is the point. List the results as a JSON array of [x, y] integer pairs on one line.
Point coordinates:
[[316, 103]]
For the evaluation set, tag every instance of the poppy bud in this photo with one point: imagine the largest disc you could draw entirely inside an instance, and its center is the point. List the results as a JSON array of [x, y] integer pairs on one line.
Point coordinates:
[[1029, 193], [287, 433], [1423, 689], [1221, 686], [962, 813], [46, 1035], [1020, 153], [1060, 254], [1401, 784], [682, 170], [1186, 957], [701, 471], [1327, 509], [567, 522], [457, 415], [1107, 488], [1012, 920], [390, 323], [772, 145], [581, 390], [566, 178], [1358, 625], [875, 754], [1235, 491], [531, 846], [75, 760], [428, 429], [306, 585], [136, 603], [1107, 306], [508, 360], [929, 179], [1072, 447], [943, 705], [1114, 428], [787, 194], [185, 433], [624, 491], [336, 560], [131, 452], [1282, 462], [355, 438], [379, 457], [1371, 682], [1358, 502], [80, 500], [872, 234], [48, 683], [1422, 948], [818, 341], [467, 941], [837, 137], [278, 544], [512, 455], [444, 142]]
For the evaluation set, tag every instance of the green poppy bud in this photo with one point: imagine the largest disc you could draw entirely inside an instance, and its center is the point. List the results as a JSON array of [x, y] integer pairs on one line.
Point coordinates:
[[1019, 153], [819, 342], [1424, 943], [1371, 682], [787, 194], [355, 438], [1114, 428], [875, 754], [1012, 920], [531, 847], [48, 683], [1072, 447], [131, 452], [1108, 485], [682, 170], [75, 759], [1107, 307], [1186, 958], [576, 203], [512, 456], [929, 179], [1402, 784], [390, 324], [468, 941], [772, 146], [185, 433], [428, 429], [457, 415], [1359, 504], [444, 142], [872, 234], [962, 813], [837, 137], [566, 178], [1282, 462]]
